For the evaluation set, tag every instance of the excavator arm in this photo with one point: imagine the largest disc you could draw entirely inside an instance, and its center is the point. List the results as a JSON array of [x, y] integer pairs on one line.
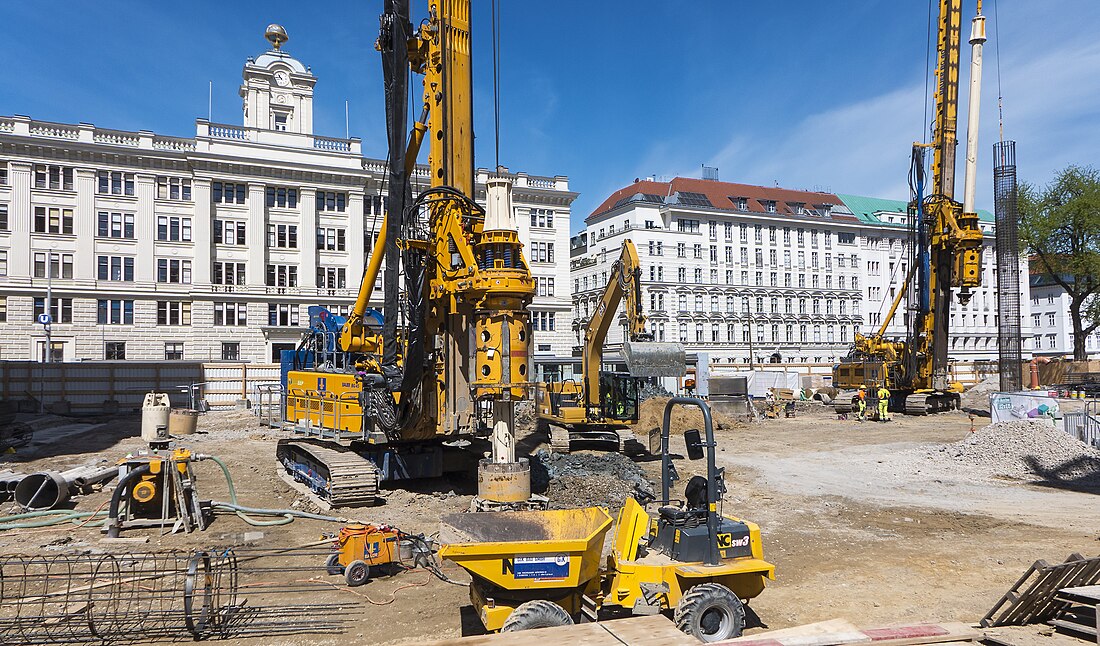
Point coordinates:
[[644, 357]]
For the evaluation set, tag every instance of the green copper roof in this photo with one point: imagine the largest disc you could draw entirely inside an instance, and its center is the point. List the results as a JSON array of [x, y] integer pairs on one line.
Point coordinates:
[[865, 208]]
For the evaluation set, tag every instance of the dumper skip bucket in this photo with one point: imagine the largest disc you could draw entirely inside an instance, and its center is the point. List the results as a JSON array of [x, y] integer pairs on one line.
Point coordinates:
[[527, 550]]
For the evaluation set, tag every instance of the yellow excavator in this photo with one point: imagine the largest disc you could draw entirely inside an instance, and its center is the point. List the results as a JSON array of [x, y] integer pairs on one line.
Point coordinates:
[[944, 245], [604, 405], [379, 396]]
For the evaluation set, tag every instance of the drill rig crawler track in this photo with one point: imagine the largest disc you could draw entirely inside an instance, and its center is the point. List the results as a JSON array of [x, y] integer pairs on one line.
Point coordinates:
[[338, 475]]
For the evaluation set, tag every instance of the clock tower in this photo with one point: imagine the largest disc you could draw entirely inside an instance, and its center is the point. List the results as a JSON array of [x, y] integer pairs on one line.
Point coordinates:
[[277, 89]]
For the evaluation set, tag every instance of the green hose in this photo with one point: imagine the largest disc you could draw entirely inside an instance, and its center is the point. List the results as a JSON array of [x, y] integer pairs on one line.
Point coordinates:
[[288, 515], [58, 516], [62, 516]]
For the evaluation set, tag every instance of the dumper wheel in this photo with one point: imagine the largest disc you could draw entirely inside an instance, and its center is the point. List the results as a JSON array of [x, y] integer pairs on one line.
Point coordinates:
[[539, 613], [711, 612], [332, 565], [357, 573]]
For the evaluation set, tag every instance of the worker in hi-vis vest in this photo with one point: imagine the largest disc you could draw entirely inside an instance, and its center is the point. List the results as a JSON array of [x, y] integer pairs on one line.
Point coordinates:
[[883, 404]]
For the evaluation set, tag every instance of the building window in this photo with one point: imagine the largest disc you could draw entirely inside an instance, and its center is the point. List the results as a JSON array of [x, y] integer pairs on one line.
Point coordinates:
[[3, 173], [4, 224], [3, 309], [228, 192], [688, 226], [231, 351], [174, 188], [1050, 319], [60, 265], [542, 252], [56, 177], [115, 312], [284, 198], [228, 273], [282, 236], [230, 314], [115, 268], [232, 232], [61, 309], [173, 313], [544, 219], [115, 225], [173, 351], [282, 276], [331, 238], [3, 262], [282, 314], [115, 183], [175, 229], [53, 220], [280, 124], [114, 351], [335, 202], [171, 270]]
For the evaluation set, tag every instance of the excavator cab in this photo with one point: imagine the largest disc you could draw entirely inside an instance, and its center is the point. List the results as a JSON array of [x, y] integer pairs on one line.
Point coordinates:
[[618, 396]]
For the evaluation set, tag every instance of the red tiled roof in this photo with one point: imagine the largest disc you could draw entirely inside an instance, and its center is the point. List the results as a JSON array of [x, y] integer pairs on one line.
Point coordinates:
[[720, 194]]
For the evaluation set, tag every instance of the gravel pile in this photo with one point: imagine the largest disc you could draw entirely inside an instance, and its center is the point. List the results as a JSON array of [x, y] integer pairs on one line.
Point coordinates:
[[1025, 450], [584, 479]]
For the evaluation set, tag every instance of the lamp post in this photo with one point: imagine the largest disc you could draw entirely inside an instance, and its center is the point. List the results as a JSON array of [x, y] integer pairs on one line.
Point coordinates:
[[47, 315]]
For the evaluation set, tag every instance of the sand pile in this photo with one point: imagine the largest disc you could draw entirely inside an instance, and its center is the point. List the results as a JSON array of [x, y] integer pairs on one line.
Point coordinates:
[[1025, 450], [683, 417], [977, 396], [586, 478]]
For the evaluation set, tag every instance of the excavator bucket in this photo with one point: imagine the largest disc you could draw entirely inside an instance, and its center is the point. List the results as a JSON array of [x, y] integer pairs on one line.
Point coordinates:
[[654, 359]]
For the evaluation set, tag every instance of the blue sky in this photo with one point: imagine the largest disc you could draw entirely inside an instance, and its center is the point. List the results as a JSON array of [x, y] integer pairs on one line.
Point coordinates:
[[825, 95]]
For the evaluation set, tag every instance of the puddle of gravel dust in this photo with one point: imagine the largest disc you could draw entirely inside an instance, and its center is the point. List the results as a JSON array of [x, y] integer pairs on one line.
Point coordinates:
[[900, 475]]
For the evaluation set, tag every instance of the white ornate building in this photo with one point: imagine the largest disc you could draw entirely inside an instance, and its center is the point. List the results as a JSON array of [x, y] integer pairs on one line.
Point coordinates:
[[156, 247], [752, 274]]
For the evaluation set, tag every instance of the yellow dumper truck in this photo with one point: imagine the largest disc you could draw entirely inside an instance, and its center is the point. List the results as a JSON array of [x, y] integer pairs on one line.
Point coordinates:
[[543, 568]]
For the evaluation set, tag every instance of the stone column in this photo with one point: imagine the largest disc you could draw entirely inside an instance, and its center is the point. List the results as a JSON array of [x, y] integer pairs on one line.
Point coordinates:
[[145, 229], [201, 234], [257, 237], [20, 218], [356, 245], [84, 226], [307, 238]]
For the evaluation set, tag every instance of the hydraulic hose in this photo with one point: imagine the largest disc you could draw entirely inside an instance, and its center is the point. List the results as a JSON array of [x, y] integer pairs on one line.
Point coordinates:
[[116, 498], [242, 512], [59, 516]]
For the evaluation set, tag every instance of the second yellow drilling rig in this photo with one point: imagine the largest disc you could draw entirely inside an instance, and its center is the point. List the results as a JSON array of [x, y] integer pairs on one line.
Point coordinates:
[[378, 399], [945, 245]]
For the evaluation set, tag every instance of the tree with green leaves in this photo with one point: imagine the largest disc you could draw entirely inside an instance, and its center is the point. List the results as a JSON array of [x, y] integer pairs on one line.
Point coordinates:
[[1060, 227]]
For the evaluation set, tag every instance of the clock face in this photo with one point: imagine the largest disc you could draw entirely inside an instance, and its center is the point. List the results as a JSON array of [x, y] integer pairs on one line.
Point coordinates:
[[282, 78]]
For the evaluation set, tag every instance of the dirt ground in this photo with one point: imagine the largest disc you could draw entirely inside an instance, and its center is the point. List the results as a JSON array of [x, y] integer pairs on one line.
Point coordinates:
[[855, 527]]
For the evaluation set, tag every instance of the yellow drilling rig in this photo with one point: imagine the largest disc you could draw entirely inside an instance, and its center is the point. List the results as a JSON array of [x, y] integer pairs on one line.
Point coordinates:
[[379, 396], [945, 248]]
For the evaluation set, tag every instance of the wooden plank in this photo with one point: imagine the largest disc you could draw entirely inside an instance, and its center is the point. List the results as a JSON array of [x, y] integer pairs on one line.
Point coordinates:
[[822, 633], [879, 636], [654, 630]]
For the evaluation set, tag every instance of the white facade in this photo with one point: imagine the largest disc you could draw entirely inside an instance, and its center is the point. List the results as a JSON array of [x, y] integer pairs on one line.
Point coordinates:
[[1051, 324], [758, 275], [212, 247], [885, 258]]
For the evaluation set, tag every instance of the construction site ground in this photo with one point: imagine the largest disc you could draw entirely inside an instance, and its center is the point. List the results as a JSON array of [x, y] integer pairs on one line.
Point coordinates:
[[857, 527]]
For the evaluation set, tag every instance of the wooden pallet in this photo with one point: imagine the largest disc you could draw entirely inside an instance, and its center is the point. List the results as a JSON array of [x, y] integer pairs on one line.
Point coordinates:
[[1082, 612], [1038, 601]]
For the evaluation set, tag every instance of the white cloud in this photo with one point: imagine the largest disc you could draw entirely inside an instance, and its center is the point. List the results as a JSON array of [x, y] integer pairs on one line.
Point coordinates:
[[1052, 101]]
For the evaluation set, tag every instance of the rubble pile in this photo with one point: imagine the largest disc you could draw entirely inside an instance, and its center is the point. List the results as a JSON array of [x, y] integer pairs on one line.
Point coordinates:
[[586, 478], [1025, 450]]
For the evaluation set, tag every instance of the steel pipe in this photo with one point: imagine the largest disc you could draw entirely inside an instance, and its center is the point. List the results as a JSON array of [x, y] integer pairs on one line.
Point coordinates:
[[48, 489]]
